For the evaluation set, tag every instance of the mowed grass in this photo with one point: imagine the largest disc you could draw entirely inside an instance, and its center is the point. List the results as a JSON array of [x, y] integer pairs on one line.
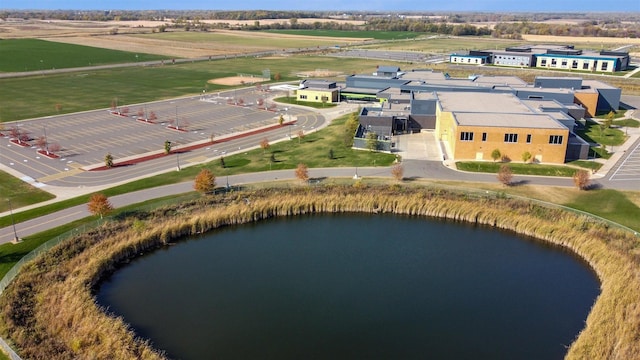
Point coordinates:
[[19, 193], [363, 34], [596, 133], [37, 96], [609, 204], [516, 168], [35, 55]]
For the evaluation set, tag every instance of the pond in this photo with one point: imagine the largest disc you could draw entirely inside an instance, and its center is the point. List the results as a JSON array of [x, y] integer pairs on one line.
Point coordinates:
[[355, 286]]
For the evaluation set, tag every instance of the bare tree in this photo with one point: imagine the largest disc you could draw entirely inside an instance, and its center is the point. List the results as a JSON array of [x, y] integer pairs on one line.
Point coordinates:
[[99, 204], [153, 116], [397, 171], [581, 179], [53, 148], [505, 175], [300, 136], [302, 172], [42, 143], [140, 113], [264, 144]]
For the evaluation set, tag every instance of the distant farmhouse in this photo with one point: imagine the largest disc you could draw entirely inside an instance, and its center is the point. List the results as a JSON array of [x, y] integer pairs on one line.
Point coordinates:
[[473, 116], [547, 56]]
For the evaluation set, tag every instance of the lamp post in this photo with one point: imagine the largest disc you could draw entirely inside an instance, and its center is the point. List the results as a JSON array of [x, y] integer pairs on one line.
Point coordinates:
[[46, 142], [16, 239]]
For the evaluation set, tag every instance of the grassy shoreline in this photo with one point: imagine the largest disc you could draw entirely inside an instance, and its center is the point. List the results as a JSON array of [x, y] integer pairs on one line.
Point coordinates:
[[68, 273]]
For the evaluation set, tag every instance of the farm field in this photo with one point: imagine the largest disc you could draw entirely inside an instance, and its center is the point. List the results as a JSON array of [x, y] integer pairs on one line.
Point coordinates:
[[378, 35], [197, 44], [442, 44], [35, 55], [37, 96]]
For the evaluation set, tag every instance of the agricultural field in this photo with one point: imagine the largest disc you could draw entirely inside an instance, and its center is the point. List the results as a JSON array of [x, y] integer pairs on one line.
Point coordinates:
[[36, 55], [440, 44], [377, 35], [37, 96]]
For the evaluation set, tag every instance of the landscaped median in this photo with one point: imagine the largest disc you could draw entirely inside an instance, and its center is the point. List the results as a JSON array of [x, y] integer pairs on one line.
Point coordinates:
[[517, 168]]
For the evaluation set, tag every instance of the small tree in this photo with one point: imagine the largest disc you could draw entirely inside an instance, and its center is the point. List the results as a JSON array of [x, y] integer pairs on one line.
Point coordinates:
[[264, 144], [53, 148], [372, 141], [277, 77], [281, 120], [153, 116], [300, 136], [99, 205], [108, 160], [140, 113], [125, 110], [302, 172], [205, 181], [42, 143], [496, 154], [58, 108], [505, 175], [526, 156], [222, 164], [581, 179], [331, 155], [397, 171], [167, 147]]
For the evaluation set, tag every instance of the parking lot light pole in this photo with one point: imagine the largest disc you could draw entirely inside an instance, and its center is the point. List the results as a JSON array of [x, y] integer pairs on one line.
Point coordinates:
[[16, 239]]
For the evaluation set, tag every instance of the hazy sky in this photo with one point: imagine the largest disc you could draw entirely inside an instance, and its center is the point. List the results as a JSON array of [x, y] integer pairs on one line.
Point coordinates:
[[342, 5]]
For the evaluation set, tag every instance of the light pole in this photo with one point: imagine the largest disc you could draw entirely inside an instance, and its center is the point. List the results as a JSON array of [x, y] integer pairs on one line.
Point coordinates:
[[16, 239], [46, 142], [177, 160], [177, 126]]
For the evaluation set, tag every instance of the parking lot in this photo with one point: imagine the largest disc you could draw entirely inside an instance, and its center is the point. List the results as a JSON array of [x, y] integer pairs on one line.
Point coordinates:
[[629, 168], [85, 138]]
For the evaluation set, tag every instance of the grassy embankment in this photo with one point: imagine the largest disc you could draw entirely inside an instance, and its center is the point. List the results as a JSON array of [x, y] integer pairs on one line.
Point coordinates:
[[37, 55], [35, 320]]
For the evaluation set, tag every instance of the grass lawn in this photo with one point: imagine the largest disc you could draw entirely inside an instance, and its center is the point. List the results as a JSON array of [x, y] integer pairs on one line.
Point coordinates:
[[24, 98], [19, 193], [593, 165], [609, 204], [594, 133], [378, 35], [516, 168], [34, 55], [627, 123]]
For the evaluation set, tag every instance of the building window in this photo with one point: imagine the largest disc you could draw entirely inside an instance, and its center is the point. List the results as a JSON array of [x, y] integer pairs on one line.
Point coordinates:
[[528, 138], [484, 136], [543, 62], [585, 65], [553, 62], [511, 138], [574, 64], [466, 136], [303, 96], [564, 63], [555, 139], [604, 66]]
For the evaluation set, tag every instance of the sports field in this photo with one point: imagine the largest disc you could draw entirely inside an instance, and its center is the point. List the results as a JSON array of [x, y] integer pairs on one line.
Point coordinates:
[[34, 55]]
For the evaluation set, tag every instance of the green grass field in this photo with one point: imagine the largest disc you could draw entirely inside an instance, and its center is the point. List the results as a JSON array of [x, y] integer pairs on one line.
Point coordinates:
[[24, 98], [35, 55], [516, 168], [378, 35], [19, 193], [444, 45], [595, 133]]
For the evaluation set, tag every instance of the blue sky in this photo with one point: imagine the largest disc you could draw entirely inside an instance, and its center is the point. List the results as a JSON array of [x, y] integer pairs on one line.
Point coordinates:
[[340, 5]]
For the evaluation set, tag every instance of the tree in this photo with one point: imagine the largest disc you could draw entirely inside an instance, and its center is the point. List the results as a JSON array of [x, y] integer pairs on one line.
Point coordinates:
[[526, 156], [108, 160], [281, 120], [153, 116], [331, 155], [302, 172], [54, 147], [42, 143], [140, 113], [167, 147], [581, 179], [372, 141], [205, 181], [264, 144], [277, 77], [397, 171], [300, 136], [505, 175], [496, 154], [99, 205], [222, 164], [272, 158], [350, 127]]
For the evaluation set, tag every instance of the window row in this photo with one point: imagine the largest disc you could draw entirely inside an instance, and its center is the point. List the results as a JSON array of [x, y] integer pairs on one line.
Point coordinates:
[[509, 137]]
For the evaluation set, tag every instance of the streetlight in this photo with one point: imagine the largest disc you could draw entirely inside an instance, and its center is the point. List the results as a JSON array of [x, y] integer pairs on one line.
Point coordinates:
[[16, 239]]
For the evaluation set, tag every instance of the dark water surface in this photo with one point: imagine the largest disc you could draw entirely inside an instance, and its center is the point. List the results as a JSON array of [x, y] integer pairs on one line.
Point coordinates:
[[355, 287]]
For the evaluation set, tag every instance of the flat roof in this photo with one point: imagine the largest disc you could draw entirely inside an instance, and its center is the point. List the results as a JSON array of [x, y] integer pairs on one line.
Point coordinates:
[[597, 84], [424, 75], [501, 80], [418, 95], [358, 90], [504, 120], [480, 102]]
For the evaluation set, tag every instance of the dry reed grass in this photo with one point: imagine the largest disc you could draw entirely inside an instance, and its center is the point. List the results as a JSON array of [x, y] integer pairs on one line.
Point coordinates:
[[49, 310]]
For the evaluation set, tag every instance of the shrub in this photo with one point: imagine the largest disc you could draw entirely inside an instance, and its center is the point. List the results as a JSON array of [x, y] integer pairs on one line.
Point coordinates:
[[581, 179], [505, 175]]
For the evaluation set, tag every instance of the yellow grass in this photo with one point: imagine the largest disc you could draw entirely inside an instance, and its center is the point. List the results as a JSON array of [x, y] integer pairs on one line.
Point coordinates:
[[48, 310]]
